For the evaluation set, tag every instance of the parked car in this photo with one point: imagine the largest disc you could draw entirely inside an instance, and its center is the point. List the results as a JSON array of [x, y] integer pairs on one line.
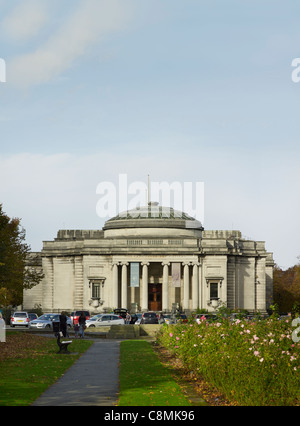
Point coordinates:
[[136, 318], [149, 318], [93, 319], [32, 316], [121, 312], [181, 318], [209, 317], [169, 318], [106, 319], [19, 319], [76, 314], [45, 321]]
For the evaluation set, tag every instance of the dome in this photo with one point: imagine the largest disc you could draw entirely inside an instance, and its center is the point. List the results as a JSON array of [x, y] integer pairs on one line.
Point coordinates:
[[153, 216]]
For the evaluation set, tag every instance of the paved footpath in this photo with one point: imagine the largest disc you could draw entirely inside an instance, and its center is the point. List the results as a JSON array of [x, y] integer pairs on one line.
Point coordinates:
[[92, 381]]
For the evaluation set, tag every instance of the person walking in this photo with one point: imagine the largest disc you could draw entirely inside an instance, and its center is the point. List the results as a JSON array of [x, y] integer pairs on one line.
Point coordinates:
[[81, 322]]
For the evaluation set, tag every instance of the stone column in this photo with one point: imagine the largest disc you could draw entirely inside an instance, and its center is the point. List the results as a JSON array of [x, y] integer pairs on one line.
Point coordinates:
[[115, 296], [165, 289], [124, 301], [195, 287], [186, 293], [144, 289]]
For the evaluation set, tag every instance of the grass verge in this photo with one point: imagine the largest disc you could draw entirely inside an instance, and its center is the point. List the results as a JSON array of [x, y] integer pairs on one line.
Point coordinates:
[[144, 381], [30, 364]]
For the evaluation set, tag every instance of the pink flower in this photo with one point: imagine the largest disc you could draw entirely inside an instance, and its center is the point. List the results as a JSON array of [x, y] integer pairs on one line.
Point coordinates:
[[256, 353], [261, 360], [171, 335], [177, 338]]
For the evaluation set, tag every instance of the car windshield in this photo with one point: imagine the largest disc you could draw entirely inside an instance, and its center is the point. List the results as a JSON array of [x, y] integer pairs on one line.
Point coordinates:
[[94, 318], [150, 315], [47, 317], [20, 315]]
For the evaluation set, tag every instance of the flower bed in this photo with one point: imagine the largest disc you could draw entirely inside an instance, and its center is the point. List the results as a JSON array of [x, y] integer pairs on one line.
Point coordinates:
[[253, 363]]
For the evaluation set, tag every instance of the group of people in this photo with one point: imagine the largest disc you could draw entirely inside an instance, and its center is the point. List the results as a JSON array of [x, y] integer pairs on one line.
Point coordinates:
[[78, 327]]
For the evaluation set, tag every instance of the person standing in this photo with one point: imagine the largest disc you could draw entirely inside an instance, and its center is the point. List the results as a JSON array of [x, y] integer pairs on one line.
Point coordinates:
[[63, 324], [128, 318], [81, 322]]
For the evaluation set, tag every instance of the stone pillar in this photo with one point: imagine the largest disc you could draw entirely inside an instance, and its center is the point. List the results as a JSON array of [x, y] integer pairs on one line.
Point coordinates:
[[115, 296], [195, 287], [165, 289], [124, 302], [78, 290], [144, 289], [200, 283], [186, 293], [48, 284]]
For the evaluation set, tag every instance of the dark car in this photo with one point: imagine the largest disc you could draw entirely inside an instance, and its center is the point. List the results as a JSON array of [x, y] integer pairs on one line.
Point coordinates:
[[149, 318], [121, 312], [182, 318]]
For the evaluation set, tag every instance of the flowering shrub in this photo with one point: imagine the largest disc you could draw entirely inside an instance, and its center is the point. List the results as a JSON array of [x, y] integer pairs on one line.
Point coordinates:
[[253, 363]]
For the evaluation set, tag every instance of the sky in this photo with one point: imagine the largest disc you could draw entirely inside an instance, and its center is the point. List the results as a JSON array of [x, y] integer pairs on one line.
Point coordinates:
[[180, 90]]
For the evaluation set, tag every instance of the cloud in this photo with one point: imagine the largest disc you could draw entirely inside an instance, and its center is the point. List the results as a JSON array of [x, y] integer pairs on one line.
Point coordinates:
[[26, 19], [88, 24]]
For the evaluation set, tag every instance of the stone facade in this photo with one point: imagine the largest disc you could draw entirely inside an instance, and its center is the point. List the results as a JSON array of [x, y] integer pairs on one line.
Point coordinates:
[[90, 269]]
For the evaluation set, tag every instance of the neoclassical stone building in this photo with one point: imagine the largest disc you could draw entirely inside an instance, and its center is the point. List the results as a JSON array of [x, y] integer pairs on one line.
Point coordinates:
[[152, 258]]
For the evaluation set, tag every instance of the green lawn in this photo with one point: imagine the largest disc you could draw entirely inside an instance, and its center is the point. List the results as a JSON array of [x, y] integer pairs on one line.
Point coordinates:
[[28, 372], [144, 381]]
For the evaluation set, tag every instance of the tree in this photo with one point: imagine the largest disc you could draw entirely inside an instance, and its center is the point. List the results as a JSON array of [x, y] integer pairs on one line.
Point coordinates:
[[287, 288], [15, 275]]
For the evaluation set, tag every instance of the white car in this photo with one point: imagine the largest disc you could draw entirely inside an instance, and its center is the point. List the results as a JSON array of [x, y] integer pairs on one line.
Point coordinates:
[[46, 322], [105, 319]]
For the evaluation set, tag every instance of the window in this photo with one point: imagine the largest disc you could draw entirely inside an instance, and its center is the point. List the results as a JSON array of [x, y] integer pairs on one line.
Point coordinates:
[[213, 291], [95, 291]]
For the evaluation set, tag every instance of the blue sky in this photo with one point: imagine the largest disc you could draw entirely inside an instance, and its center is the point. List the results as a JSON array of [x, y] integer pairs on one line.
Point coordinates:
[[188, 91]]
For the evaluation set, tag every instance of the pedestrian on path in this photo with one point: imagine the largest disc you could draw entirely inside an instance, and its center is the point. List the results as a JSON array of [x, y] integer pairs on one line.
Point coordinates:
[[81, 322]]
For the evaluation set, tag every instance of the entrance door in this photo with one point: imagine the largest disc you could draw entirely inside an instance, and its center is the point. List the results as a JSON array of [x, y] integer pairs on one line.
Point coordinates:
[[155, 297]]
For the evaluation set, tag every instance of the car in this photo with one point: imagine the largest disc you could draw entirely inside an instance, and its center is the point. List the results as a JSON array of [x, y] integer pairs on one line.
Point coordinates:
[[32, 316], [136, 318], [45, 321], [181, 318], [19, 319], [149, 318], [169, 318], [76, 314], [209, 317], [106, 319], [93, 319], [122, 312]]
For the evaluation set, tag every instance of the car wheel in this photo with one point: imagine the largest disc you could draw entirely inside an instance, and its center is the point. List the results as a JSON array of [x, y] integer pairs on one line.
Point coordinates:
[[48, 326], [92, 325]]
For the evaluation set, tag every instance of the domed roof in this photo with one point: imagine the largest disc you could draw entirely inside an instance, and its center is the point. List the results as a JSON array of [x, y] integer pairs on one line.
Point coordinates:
[[153, 216]]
